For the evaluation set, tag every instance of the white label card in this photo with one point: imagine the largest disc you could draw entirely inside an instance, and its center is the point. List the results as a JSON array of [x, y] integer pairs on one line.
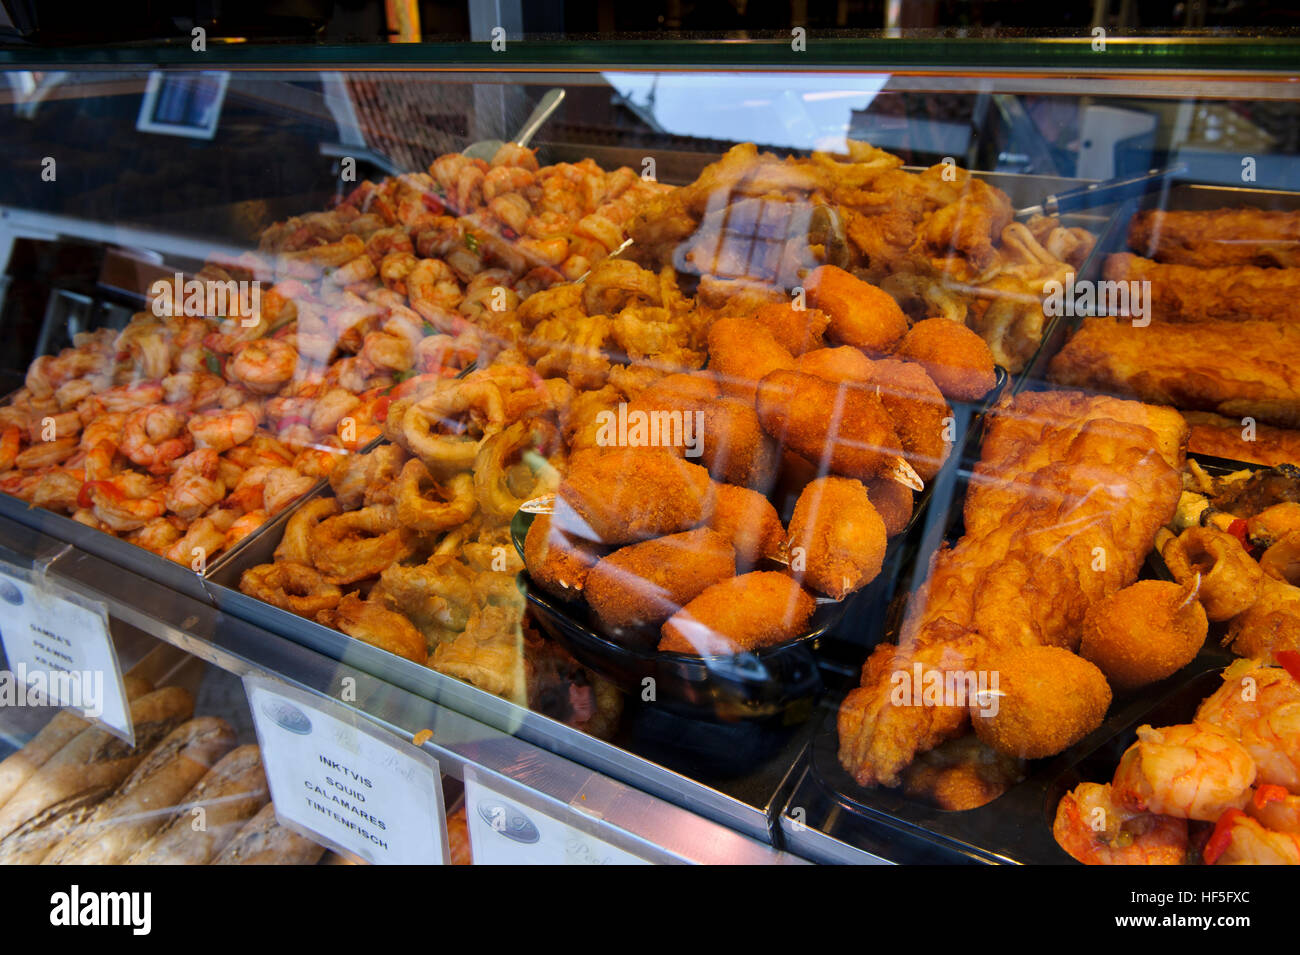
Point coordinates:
[[350, 783], [502, 832], [59, 650]]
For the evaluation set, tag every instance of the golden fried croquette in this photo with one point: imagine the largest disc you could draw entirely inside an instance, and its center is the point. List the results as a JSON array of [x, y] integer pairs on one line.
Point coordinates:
[[623, 495], [844, 427], [645, 584], [893, 502], [741, 351], [754, 610], [922, 418], [837, 540], [799, 330], [749, 521], [954, 356], [845, 363], [670, 413], [1046, 700], [1144, 632], [556, 562], [736, 449], [861, 314]]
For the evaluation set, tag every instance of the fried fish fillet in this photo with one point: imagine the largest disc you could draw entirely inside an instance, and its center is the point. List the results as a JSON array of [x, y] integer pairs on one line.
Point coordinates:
[[1239, 440], [1232, 368], [1220, 237], [1184, 293], [1067, 499]]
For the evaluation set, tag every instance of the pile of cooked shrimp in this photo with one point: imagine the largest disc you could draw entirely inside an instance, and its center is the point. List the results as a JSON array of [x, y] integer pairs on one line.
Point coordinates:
[[184, 433], [1223, 789]]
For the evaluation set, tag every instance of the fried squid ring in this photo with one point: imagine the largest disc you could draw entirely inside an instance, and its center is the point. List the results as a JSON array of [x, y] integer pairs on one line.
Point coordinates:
[[296, 544], [492, 470], [450, 504], [1230, 578], [298, 588], [359, 544], [427, 423]]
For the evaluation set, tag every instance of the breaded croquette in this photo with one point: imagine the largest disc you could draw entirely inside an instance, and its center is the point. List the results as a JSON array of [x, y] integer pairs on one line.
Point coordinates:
[[645, 584], [837, 540], [799, 330], [893, 502], [741, 351], [845, 428], [1046, 700], [556, 562], [623, 495], [1144, 632], [922, 418], [749, 521], [758, 609], [736, 448], [861, 314], [845, 363], [954, 356]]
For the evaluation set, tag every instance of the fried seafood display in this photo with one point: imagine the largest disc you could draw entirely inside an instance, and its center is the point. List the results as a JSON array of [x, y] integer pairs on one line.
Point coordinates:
[[1061, 512], [1223, 789], [1235, 544], [940, 242], [411, 552], [1230, 293]]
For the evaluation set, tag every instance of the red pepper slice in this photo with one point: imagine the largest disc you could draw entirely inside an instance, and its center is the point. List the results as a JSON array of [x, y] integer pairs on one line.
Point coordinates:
[[1238, 530], [1290, 660], [1267, 793], [1222, 837]]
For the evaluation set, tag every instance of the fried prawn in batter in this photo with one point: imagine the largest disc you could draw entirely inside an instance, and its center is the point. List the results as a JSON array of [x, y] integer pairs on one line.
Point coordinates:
[[844, 427], [921, 416], [1144, 633], [955, 357], [741, 352], [359, 544], [1046, 700], [749, 521], [624, 495], [645, 584], [557, 562], [370, 623], [861, 315], [798, 330], [836, 537], [296, 587], [754, 610]]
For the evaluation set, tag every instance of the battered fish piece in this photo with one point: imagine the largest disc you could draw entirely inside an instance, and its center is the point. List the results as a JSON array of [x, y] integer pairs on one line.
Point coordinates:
[[799, 330], [754, 610], [1235, 293], [741, 352], [845, 363], [749, 521], [1220, 237], [557, 562], [839, 536], [624, 495], [645, 584], [861, 315], [1227, 438], [1050, 699], [922, 418], [1231, 368], [1144, 633], [961, 774], [845, 427], [954, 357]]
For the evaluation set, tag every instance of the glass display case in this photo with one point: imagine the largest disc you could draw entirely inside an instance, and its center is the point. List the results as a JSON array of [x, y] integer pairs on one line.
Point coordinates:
[[812, 448]]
